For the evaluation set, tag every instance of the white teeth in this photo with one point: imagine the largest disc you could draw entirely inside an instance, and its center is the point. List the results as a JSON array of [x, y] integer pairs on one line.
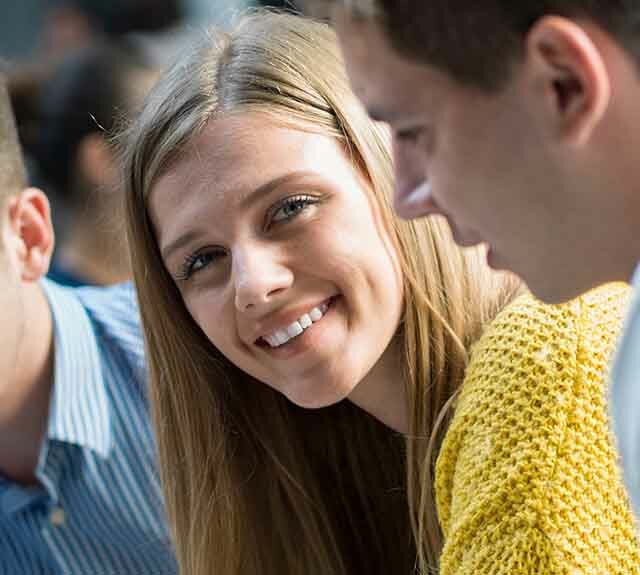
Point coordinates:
[[272, 340], [294, 329], [315, 314], [282, 336]]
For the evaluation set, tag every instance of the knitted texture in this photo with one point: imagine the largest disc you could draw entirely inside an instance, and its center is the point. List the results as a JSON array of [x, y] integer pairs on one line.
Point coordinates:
[[527, 480]]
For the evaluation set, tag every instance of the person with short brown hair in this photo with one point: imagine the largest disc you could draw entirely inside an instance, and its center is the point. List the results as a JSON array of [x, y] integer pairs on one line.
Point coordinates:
[[519, 122]]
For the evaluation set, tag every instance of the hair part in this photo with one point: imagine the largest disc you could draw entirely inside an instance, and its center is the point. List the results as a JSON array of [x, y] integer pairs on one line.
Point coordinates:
[[254, 484], [478, 43]]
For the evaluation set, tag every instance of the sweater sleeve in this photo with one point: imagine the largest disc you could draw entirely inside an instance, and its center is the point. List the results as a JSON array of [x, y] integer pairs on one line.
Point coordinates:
[[527, 479]]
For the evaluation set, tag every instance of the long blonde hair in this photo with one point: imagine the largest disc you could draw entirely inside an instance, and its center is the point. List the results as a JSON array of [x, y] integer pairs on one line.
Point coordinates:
[[254, 484]]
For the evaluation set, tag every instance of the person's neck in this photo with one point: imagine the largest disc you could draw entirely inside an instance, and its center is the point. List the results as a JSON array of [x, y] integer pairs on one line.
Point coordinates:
[[382, 392], [24, 406]]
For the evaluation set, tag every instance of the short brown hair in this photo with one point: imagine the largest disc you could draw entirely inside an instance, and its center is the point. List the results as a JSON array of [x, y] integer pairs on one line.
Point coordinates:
[[477, 42], [13, 177]]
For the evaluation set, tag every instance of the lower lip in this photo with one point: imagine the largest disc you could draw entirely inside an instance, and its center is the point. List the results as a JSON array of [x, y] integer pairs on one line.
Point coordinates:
[[308, 339]]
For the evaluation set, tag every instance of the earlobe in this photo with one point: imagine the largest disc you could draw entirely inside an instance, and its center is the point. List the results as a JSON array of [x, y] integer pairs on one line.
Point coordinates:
[[574, 75], [30, 221]]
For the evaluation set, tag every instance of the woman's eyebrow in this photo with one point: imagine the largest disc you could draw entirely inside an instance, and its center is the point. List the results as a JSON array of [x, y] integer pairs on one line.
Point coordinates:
[[185, 239], [274, 184]]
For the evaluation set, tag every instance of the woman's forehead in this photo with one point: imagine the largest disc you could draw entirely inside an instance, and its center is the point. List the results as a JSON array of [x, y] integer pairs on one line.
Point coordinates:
[[235, 157], [241, 152]]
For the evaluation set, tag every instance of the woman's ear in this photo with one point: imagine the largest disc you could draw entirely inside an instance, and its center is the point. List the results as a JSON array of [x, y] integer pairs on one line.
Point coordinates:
[[566, 62], [31, 237]]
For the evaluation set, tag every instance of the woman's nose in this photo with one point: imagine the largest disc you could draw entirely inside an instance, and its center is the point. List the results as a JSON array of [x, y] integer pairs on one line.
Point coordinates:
[[258, 277]]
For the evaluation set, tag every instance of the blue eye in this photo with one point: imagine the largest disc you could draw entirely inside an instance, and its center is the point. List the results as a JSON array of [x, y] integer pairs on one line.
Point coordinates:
[[198, 261], [290, 207]]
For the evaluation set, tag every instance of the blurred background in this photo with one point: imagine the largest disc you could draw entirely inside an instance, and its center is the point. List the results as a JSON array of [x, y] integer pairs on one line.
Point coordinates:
[[76, 69]]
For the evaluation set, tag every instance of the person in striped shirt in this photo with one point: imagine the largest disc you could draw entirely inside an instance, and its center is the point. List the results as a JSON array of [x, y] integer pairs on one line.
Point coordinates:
[[79, 488]]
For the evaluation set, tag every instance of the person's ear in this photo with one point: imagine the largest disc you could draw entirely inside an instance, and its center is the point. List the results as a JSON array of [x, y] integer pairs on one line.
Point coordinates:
[[31, 232], [569, 68], [95, 160]]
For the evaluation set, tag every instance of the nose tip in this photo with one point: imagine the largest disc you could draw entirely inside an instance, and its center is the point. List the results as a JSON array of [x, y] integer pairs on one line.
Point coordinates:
[[248, 301], [259, 283], [249, 297]]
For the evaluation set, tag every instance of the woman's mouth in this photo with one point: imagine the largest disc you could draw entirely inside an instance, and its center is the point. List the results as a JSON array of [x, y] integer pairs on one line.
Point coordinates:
[[284, 335]]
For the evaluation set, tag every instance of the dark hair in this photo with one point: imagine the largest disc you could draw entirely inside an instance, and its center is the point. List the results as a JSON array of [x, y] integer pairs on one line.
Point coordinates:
[[13, 176], [90, 92], [283, 5], [119, 17], [477, 42]]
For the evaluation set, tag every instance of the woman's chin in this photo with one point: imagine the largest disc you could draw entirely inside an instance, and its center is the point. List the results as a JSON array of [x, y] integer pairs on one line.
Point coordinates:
[[315, 398]]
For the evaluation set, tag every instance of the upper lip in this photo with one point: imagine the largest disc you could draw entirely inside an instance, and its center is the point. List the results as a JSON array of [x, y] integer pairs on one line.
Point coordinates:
[[282, 319]]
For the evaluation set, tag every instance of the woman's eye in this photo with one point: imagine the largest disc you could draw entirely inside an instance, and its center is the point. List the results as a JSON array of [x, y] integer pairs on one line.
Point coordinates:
[[198, 261], [291, 207]]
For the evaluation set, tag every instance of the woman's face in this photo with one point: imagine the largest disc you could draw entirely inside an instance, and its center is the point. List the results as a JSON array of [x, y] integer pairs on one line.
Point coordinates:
[[280, 255]]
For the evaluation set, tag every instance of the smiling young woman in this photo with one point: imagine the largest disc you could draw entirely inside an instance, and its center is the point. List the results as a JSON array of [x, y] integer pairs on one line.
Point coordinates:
[[304, 346]]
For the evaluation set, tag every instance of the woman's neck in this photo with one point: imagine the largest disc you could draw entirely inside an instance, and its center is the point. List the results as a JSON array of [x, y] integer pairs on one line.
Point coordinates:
[[382, 392]]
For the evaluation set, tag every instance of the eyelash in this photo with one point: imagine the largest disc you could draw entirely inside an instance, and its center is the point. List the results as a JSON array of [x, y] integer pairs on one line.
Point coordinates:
[[187, 269], [301, 201]]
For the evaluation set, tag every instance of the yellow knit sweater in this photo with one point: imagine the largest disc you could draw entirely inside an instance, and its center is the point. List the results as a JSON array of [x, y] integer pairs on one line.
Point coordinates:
[[527, 480]]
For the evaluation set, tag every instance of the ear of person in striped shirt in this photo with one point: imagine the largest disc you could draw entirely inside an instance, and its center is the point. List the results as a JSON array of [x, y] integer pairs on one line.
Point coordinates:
[[79, 489]]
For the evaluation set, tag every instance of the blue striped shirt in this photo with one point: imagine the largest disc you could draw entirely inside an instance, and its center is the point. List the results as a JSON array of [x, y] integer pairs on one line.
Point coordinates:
[[99, 509]]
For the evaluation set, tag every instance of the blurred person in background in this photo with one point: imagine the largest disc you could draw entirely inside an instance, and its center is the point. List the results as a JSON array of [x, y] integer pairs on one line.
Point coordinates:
[[72, 24], [69, 26], [79, 490], [59, 31], [79, 107]]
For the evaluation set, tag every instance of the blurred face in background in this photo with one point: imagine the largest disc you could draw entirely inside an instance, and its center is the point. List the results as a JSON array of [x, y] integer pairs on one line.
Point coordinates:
[[278, 250]]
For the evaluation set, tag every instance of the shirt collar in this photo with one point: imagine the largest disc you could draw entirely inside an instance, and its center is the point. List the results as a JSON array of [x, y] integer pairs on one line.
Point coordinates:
[[79, 411]]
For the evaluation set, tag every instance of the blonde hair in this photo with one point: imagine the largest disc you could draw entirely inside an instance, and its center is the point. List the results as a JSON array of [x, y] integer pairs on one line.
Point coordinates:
[[254, 484]]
